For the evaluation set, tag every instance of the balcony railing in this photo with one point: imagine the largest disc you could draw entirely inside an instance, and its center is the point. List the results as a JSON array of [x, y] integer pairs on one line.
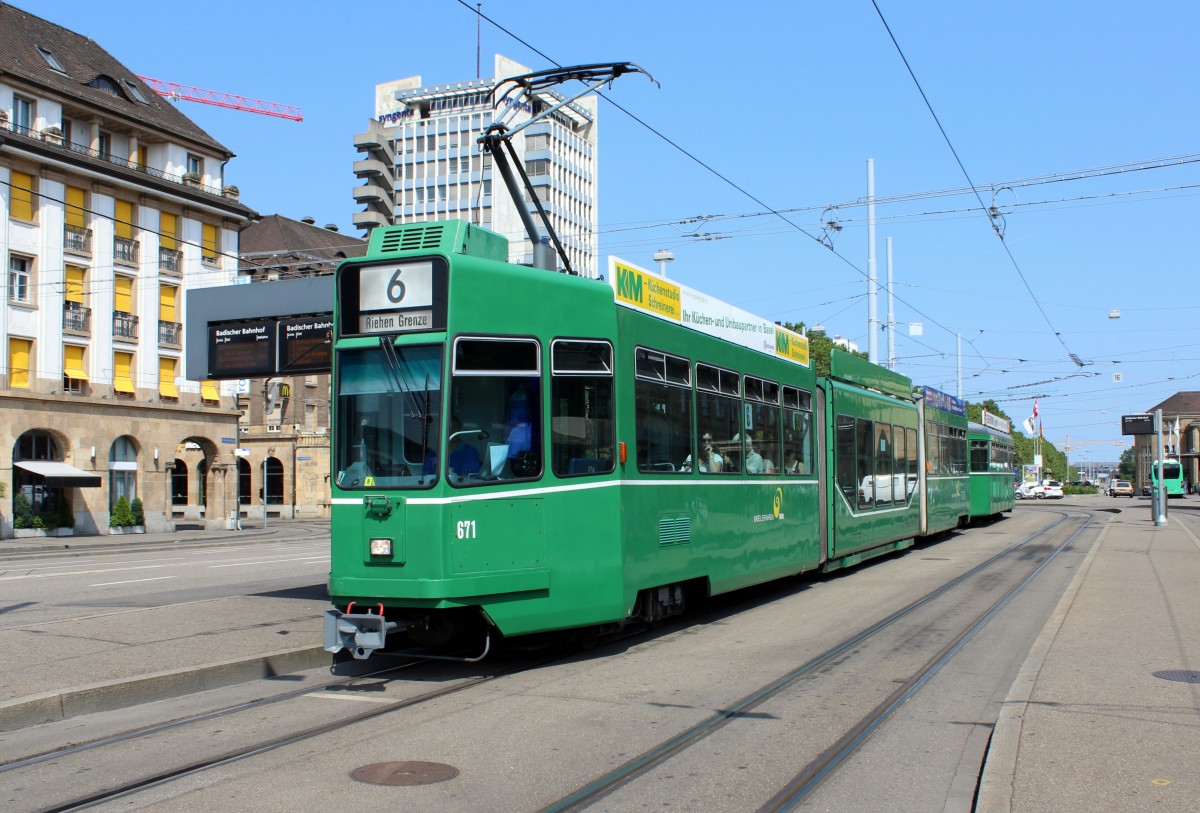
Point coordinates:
[[59, 142], [170, 333], [125, 250], [77, 239], [125, 325], [169, 259], [77, 318]]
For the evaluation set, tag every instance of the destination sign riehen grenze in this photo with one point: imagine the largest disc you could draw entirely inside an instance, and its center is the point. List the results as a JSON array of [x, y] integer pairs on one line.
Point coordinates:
[[396, 298]]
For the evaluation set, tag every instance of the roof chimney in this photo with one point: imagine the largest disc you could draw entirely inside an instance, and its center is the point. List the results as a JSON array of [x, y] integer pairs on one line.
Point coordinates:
[[309, 219]]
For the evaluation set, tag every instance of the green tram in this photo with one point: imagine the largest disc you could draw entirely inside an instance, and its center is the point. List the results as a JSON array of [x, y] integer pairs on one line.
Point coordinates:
[[519, 451], [991, 450], [944, 479]]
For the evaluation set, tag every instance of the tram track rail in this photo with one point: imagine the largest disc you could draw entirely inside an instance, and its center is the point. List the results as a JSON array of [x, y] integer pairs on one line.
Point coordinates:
[[805, 780], [808, 778]]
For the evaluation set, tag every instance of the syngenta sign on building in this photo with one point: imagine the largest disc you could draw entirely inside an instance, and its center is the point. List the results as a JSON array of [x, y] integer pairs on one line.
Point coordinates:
[[646, 291]]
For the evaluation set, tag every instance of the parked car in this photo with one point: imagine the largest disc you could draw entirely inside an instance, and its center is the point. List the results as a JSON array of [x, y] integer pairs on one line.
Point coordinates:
[[1121, 488], [1052, 489]]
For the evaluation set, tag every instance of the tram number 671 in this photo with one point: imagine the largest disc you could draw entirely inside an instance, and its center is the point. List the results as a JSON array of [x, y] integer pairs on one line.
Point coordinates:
[[466, 529]]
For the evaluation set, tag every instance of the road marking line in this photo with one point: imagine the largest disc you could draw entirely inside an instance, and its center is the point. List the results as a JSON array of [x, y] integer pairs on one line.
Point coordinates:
[[132, 581], [77, 573], [270, 562]]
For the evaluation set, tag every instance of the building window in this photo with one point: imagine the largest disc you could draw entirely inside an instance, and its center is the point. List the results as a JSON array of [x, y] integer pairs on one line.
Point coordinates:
[[104, 145], [208, 244], [75, 377], [195, 164], [166, 379], [122, 470], [24, 114], [19, 352], [21, 197], [123, 374], [20, 274], [51, 60]]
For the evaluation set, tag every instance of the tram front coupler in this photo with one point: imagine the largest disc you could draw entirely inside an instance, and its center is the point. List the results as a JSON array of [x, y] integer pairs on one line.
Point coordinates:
[[360, 634]]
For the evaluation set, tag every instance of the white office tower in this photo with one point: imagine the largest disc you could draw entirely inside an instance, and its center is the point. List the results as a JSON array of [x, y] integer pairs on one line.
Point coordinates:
[[423, 161]]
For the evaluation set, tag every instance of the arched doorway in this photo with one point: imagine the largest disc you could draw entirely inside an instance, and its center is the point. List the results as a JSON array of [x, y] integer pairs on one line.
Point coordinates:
[[274, 481], [42, 479], [179, 482]]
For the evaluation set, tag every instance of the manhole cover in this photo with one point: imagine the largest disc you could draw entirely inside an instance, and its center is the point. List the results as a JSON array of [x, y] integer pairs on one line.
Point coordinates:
[[404, 773], [1181, 675]]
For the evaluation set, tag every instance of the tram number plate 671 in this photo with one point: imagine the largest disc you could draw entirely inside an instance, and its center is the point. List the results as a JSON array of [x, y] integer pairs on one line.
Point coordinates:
[[466, 529]]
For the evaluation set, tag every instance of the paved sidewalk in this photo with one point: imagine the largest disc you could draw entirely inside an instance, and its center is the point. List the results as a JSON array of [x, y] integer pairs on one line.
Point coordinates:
[[1105, 714], [107, 543]]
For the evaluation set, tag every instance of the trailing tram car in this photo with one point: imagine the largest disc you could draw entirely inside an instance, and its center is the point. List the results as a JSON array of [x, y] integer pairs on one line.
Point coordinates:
[[518, 451], [1172, 477], [991, 467]]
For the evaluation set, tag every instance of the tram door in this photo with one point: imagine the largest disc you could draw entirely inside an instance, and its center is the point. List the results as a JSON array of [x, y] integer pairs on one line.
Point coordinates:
[[822, 479]]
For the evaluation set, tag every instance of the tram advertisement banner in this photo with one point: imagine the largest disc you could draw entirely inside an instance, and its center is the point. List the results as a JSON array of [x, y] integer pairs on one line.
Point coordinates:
[[650, 293]]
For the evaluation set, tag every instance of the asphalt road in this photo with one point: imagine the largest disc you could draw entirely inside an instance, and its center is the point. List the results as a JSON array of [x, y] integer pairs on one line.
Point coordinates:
[[72, 621]]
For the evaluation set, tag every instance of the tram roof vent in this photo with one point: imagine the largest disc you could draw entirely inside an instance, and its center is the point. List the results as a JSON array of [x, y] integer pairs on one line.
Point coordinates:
[[448, 236]]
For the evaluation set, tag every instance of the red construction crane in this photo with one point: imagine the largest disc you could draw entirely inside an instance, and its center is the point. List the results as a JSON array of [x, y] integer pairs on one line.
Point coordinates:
[[187, 93]]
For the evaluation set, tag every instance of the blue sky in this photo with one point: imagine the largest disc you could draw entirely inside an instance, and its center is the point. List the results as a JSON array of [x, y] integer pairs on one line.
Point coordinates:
[[788, 100]]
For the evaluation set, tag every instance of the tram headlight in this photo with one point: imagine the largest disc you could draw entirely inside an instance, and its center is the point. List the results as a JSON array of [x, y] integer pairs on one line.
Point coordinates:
[[381, 546]]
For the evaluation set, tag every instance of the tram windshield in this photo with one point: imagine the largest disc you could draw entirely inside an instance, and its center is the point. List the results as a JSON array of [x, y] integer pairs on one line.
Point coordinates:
[[389, 402]]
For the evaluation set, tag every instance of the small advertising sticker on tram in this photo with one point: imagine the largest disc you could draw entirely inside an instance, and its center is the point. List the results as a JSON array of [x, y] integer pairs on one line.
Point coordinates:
[[396, 298]]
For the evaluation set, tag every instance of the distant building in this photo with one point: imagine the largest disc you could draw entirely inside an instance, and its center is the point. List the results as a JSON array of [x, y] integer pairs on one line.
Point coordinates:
[[112, 207], [423, 162], [1182, 409], [285, 420]]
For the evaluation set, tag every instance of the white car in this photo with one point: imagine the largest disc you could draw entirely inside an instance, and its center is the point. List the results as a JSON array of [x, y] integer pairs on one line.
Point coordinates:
[[1052, 489], [1028, 491]]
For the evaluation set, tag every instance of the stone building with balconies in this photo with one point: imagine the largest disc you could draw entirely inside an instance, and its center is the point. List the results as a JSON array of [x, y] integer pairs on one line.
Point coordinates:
[[112, 207]]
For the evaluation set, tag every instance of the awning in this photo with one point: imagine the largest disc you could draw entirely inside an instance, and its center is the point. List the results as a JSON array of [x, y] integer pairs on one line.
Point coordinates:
[[59, 474]]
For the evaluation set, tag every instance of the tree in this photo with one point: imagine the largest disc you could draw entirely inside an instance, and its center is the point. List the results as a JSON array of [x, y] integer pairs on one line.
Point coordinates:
[[122, 515], [1127, 468]]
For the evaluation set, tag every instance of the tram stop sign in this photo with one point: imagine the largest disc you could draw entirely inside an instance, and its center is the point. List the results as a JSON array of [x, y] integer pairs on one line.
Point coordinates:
[[1138, 424]]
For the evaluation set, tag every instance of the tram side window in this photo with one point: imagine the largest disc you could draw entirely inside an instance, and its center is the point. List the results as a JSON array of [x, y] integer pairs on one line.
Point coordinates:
[[865, 445], [979, 456], [663, 391], [496, 388], [762, 427], [718, 419], [913, 460], [933, 448], [798, 439], [883, 464], [900, 490], [846, 477], [958, 440], [581, 408]]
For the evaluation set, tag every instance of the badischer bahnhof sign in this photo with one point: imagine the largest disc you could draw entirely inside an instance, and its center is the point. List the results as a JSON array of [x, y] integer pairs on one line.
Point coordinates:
[[1138, 424], [269, 347], [242, 350], [306, 345]]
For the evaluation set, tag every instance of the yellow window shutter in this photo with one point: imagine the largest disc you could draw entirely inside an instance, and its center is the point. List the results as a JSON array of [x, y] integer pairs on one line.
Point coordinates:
[[75, 201], [167, 295], [208, 241], [123, 373], [168, 227], [18, 363], [166, 378], [209, 391], [124, 220], [21, 200], [142, 154], [123, 294], [73, 363], [74, 288]]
